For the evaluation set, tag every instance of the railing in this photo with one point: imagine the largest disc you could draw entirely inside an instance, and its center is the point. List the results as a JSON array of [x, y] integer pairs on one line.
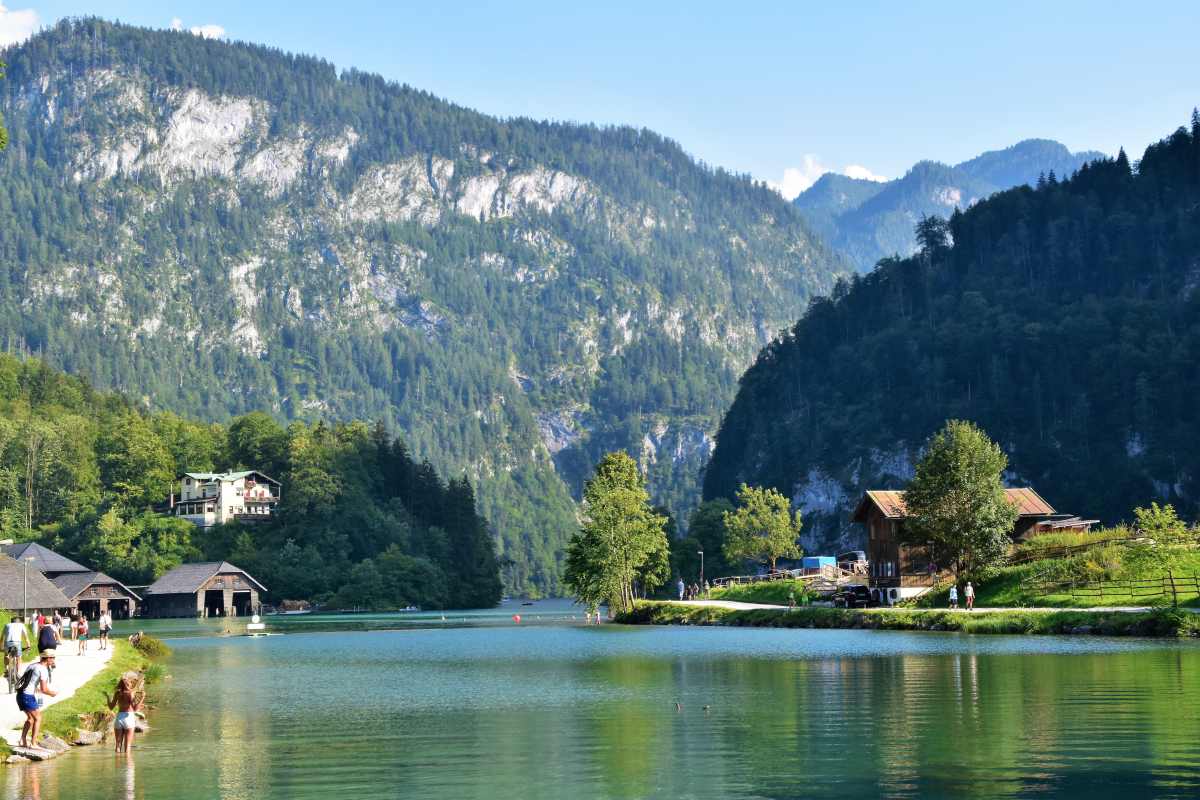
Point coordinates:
[[826, 576]]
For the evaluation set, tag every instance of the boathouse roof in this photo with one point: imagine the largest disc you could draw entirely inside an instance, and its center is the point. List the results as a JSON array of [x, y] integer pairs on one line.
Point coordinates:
[[73, 584], [43, 559], [27, 588], [188, 578]]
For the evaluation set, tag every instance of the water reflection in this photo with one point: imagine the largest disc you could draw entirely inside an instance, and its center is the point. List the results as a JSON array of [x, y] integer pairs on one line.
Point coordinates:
[[591, 713]]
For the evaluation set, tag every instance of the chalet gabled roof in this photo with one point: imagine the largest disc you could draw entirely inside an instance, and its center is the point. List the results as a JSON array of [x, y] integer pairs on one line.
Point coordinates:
[[73, 584], [206, 477], [188, 578], [27, 588], [891, 504], [43, 559]]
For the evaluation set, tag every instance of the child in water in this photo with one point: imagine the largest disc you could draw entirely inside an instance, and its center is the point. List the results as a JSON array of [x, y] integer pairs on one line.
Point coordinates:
[[127, 699]]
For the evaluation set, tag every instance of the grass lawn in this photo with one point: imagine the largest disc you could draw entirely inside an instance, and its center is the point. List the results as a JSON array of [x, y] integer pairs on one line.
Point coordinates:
[[1018, 586], [1160, 622], [769, 592]]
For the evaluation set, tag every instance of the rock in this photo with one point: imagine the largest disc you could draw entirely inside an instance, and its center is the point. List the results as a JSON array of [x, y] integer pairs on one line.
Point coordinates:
[[84, 738], [35, 753], [1082, 629], [15, 759], [50, 742]]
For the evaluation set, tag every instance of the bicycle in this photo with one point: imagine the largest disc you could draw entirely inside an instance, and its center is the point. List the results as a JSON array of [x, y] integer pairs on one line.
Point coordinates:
[[12, 666]]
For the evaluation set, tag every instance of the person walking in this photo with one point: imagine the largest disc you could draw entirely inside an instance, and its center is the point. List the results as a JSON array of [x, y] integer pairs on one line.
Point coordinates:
[[681, 587], [127, 699], [74, 623], [81, 630], [791, 599], [105, 625], [48, 638], [35, 681], [969, 593], [16, 638], [954, 595]]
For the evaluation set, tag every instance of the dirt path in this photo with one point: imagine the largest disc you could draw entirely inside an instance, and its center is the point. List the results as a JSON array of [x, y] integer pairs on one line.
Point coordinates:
[[71, 672]]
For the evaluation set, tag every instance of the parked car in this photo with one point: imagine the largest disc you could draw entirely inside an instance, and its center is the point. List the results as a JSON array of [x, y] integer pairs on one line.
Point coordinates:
[[853, 596]]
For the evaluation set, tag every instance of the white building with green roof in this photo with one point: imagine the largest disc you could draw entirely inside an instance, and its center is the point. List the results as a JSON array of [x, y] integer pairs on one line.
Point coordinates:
[[214, 498]]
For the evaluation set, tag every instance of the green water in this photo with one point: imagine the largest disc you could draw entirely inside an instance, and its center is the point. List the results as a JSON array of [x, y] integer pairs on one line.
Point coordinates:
[[554, 710]]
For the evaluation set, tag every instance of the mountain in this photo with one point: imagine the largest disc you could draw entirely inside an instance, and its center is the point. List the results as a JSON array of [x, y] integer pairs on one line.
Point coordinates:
[[215, 228], [1063, 319], [868, 220]]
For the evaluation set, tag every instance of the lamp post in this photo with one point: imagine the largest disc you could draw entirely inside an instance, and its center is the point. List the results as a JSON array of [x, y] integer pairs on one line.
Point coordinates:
[[701, 554], [25, 589]]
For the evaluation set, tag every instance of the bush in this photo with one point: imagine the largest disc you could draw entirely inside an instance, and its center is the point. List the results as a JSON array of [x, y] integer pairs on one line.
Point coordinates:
[[149, 646]]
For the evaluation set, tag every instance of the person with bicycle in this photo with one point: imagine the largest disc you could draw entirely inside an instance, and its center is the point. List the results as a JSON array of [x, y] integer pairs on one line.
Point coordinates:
[[16, 638]]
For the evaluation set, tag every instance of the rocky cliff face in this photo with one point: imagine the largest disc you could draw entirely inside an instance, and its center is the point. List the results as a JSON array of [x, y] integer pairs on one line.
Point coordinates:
[[517, 297]]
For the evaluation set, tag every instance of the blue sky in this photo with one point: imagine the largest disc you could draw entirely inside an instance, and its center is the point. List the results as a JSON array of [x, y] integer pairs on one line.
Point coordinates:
[[772, 89]]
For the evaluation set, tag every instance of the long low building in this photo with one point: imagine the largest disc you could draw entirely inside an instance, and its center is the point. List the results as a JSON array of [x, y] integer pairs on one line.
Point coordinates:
[[207, 589]]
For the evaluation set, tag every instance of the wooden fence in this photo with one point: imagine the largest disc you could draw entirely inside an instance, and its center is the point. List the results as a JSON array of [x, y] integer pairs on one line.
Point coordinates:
[[1128, 592]]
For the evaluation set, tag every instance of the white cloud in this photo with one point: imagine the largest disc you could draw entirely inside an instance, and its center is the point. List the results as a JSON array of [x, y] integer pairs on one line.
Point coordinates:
[[797, 179], [209, 31], [16, 26], [859, 172]]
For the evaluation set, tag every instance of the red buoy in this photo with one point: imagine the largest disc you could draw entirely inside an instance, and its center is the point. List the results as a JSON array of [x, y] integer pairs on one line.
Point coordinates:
[[517, 618]]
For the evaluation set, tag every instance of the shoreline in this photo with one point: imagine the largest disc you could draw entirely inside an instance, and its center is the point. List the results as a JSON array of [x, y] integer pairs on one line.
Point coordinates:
[[1160, 623], [64, 719]]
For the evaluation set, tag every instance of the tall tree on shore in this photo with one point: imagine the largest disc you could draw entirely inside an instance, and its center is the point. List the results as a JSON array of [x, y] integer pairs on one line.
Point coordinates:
[[762, 526], [956, 499], [621, 539], [3, 132]]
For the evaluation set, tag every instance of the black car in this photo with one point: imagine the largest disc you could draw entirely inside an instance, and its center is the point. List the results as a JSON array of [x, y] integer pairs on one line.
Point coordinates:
[[853, 596]]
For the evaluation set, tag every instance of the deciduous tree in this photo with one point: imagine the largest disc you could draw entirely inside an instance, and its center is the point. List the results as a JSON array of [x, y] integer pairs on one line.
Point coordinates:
[[762, 526], [621, 538], [956, 499]]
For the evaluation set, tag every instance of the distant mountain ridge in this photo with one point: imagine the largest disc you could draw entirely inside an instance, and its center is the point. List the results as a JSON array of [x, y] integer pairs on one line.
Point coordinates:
[[869, 220], [214, 228]]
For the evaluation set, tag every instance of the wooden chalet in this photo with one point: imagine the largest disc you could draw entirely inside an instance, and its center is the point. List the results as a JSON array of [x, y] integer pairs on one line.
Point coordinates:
[[209, 589], [900, 571], [94, 593]]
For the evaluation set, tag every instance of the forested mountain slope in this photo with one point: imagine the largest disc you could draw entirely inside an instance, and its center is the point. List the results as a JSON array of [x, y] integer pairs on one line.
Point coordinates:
[[1065, 320], [216, 228], [868, 220], [360, 523]]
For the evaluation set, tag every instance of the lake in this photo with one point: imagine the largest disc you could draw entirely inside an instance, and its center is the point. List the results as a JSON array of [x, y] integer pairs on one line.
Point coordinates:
[[480, 707]]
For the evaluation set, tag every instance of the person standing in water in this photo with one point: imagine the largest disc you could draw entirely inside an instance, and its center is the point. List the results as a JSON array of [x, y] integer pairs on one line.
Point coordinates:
[[127, 699]]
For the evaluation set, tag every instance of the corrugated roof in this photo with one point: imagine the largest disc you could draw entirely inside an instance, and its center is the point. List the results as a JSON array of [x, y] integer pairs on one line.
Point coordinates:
[[74, 584], [188, 578], [1028, 502], [43, 559], [27, 588]]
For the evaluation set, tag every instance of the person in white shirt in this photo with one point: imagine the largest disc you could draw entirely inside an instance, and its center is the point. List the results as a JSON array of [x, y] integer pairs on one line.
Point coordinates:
[[35, 680], [16, 638], [105, 624], [969, 593]]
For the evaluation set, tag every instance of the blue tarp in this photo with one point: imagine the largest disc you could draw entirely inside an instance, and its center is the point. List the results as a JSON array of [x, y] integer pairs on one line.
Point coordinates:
[[816, 562]]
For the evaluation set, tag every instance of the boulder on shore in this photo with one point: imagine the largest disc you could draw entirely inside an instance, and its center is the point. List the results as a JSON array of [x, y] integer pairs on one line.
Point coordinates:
[[52, 742], [84, 738], [35, 753]]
